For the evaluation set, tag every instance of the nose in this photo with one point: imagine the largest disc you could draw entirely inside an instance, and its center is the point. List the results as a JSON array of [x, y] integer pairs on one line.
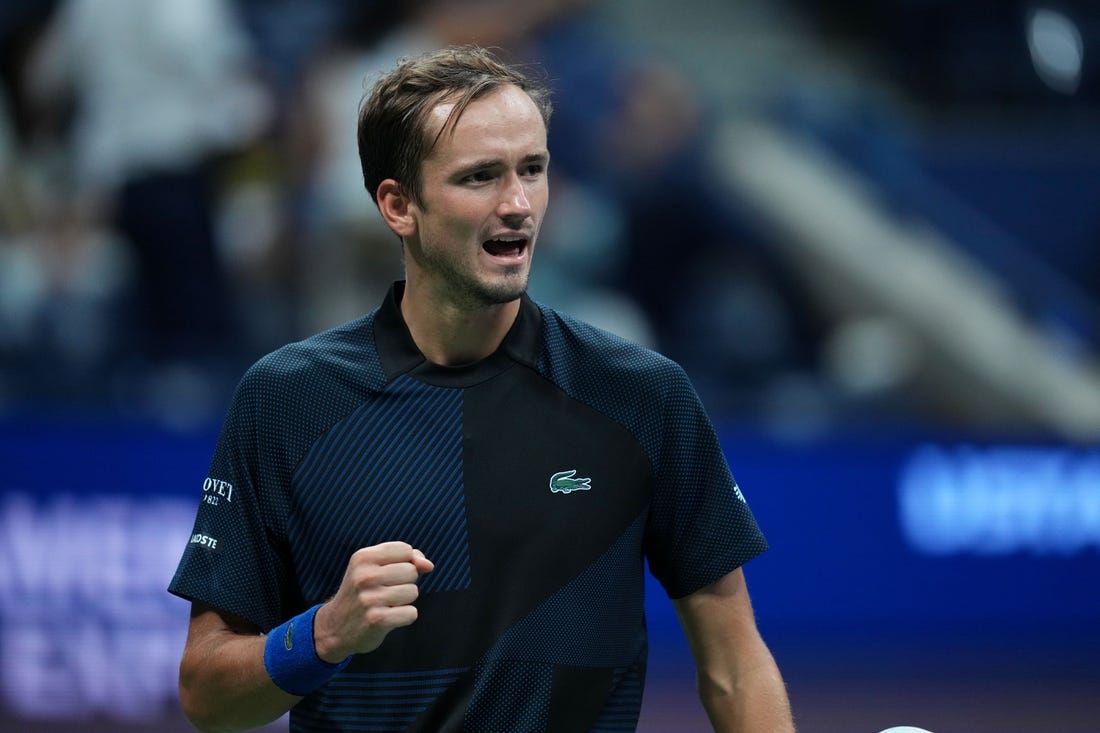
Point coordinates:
[[515, 204]]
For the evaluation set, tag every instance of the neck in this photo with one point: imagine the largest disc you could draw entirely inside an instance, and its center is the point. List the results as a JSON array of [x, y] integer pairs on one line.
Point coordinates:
[[452, 334]]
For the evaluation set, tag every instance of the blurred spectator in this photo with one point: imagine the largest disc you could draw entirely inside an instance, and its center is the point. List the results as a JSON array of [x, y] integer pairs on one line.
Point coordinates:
[[60, 277], [645, 242], [638, 132], [162, 92]]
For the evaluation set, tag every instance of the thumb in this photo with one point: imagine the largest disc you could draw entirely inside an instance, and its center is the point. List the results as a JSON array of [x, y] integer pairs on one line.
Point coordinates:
[[422, 563]]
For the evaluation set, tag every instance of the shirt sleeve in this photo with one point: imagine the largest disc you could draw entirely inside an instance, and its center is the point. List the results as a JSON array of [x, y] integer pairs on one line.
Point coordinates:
[[235, 557], [700, 527]]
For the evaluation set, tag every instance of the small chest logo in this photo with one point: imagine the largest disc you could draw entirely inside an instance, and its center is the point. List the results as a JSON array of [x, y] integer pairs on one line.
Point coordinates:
[[563, 482]]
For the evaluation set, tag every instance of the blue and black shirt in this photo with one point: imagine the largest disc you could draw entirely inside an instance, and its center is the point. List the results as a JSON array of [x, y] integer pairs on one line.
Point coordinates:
[[538, 480]]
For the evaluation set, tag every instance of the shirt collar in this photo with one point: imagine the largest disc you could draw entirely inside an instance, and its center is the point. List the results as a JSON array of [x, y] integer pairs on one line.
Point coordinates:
[[400, 355]]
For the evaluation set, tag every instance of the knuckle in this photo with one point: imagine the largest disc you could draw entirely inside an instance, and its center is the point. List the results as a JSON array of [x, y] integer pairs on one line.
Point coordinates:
[[362, 555], [376, 616], [368, 599], [366, 576]]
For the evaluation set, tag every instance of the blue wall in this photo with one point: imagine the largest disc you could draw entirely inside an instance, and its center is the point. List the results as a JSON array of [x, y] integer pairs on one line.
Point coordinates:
[[883, 549]]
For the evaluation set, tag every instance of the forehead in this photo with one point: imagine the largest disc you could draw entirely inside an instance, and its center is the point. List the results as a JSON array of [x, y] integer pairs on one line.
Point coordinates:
[[504, 120]]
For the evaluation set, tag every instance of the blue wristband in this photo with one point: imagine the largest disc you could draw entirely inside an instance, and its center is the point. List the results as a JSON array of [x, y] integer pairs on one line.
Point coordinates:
[[291, 659]]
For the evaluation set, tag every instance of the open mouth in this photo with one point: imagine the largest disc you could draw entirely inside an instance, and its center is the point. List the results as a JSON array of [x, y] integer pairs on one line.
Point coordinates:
[[505, 246]]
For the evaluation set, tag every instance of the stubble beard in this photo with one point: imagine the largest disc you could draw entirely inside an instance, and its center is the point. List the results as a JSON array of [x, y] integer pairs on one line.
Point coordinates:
[[467, 291]]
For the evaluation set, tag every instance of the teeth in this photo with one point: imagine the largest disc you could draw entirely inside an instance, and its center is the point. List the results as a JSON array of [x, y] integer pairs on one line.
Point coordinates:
[[508, 239]]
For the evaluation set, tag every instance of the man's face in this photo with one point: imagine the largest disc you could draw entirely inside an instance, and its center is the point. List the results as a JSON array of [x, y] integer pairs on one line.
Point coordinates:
[[485, 191]]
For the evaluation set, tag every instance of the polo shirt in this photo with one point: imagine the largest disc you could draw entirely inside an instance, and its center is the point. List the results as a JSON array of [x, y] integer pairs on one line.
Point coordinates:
[[539, 480]]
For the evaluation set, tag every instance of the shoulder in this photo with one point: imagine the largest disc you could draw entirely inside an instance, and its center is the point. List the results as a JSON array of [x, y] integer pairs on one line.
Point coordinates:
[[297, 371], [577, 354], [568, 339]]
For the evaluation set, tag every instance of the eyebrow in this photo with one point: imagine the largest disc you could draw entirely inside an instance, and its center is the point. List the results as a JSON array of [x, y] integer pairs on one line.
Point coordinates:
[[540, 157]]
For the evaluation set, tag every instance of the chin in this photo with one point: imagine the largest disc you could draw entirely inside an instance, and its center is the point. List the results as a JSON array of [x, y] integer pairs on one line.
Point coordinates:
[[503, 290], [502, 295]]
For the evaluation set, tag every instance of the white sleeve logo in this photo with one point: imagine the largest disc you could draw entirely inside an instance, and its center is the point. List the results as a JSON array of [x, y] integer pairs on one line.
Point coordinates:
[[204, 540], [215, 491]]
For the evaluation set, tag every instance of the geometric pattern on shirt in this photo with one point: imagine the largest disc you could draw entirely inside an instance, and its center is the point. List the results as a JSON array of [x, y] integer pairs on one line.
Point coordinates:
[[605, 633], [620, 714], [510, 696], [382, 702], [392, 470]]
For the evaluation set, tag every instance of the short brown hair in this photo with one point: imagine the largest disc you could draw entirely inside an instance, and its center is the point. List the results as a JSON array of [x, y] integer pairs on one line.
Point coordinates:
[[393, 136]]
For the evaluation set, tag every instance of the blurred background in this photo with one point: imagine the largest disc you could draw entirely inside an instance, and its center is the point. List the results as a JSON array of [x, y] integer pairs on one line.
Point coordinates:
[[870, 232]]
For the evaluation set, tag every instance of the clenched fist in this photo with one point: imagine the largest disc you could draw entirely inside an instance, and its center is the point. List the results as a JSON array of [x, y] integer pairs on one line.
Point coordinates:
[[375, 597]]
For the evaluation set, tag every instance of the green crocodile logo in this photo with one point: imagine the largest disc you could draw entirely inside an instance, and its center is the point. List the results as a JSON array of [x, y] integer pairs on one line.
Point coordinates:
[[563, 482], [288, 640]]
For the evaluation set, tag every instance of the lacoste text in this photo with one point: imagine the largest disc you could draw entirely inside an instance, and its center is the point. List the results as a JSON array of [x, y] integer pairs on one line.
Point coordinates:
[[204, 540]]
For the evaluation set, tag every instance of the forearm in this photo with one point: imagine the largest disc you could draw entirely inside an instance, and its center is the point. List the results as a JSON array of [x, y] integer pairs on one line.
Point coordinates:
[[739, 681], [749, 697], [226, 674], [225, 688]]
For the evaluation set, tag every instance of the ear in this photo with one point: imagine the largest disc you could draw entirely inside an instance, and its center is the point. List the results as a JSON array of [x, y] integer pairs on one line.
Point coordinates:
[[396, 207]]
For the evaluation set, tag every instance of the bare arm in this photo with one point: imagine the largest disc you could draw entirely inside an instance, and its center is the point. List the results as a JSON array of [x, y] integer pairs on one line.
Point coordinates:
[[739, 682], [224, 685]]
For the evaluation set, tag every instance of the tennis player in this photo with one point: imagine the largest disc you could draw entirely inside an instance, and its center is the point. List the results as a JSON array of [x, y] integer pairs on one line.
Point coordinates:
[[437, 517]]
